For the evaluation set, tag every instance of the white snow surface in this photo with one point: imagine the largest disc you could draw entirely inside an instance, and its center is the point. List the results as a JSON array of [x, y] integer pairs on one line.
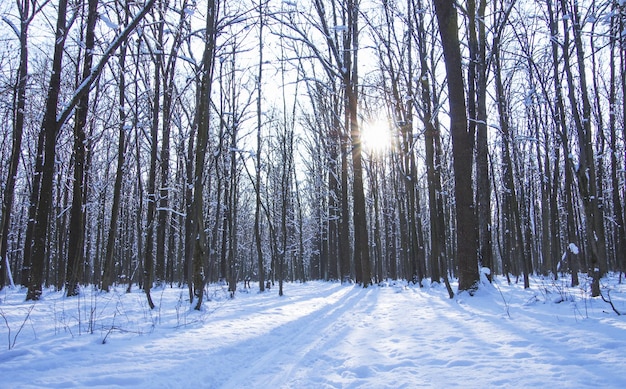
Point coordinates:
[[318, 335]]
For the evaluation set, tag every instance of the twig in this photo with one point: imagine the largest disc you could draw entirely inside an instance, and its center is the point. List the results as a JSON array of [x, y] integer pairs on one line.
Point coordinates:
[[506, 304], [6, 322], [104, 340], [610, 302], [23, 324]]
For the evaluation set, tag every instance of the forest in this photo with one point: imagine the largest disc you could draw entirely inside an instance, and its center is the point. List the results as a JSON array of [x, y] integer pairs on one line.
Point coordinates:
[[181, 142]]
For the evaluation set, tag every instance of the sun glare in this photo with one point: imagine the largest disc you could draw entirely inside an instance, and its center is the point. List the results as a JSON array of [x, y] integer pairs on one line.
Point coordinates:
[[376, 137]]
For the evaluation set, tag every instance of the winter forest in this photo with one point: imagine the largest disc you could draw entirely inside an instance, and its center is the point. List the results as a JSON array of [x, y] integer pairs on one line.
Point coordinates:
[[312, 193], [187, 143]]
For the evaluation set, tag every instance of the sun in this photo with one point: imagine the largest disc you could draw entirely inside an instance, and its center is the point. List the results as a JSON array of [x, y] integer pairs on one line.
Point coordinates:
[[376, 136]]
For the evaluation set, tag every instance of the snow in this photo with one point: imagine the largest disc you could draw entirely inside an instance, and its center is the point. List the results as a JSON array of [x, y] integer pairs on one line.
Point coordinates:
[[8, 21], [318, 335], [108, 22]]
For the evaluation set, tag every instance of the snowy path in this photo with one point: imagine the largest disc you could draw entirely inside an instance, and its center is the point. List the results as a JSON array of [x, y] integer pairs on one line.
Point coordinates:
[[325, 335]]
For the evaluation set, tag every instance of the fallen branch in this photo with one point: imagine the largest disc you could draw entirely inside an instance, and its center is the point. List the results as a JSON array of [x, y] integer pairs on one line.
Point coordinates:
[[610, 302]]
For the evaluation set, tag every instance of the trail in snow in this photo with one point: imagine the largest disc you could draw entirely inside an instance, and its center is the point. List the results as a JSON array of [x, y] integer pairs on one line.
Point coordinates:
[[319, 335]]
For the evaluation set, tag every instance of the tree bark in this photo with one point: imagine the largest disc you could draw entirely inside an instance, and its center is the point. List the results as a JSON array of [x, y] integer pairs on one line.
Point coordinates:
[[483, 184], [151, 217], [108, 272], [259, 144], [462, 148], [196, 235], [75, 257], [361, 240], [562, 130], [51, 125], [163, 257], [510, 202], [433, 175], [586, 170], [26, 16], [49, 130], [618, 209]]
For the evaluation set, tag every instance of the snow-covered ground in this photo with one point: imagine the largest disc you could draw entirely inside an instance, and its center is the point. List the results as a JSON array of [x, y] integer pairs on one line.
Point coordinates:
[[318, 335]]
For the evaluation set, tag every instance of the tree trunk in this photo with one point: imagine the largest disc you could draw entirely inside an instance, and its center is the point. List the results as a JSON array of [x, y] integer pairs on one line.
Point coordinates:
[[76, 248], [351, 82], [26, 15], [162, 258], [462, 148], [259, 144], [586, 170], [618, 210], [51, 125], [483, 184], [49, 130], [433, 175], [511, 204], [148, 261], [561, 129], [196, 236], [108, 272], [344, 228]]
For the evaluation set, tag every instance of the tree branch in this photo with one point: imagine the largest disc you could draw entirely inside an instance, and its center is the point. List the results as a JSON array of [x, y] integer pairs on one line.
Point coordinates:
[[88, 82]]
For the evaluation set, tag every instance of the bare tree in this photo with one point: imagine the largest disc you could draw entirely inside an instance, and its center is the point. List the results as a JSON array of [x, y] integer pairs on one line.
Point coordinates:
[[432, 134], [51, 125], [462, 148], [27, 10], [586, 169], [477, 83], [350, 79], [618, 211], [196, 237], [49, 130], [77, 228], [108, 272], [259, 144]]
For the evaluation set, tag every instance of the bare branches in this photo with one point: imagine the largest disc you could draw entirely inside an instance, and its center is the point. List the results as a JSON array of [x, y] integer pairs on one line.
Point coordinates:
[[89, 81], [610, 301], [11, 341]]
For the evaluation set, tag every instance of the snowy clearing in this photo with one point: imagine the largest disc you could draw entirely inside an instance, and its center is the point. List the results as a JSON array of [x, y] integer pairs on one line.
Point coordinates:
[[319, 335]]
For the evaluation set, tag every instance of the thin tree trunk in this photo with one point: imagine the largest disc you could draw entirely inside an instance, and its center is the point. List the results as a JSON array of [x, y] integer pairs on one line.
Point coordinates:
[[197, 236], [51, 125], [259, 144], [108, 272], [76, 248], [148, 261], [618, 210], [233, 196], [483, 185], [511, 203], [26, 16], [162, 258], [561, 129], [344, 228], [586, 170], [435, 204], [361, 240]]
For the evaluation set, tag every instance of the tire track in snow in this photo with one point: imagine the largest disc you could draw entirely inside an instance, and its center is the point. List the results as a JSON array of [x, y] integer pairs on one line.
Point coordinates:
[[367, 338], [286, 348]]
